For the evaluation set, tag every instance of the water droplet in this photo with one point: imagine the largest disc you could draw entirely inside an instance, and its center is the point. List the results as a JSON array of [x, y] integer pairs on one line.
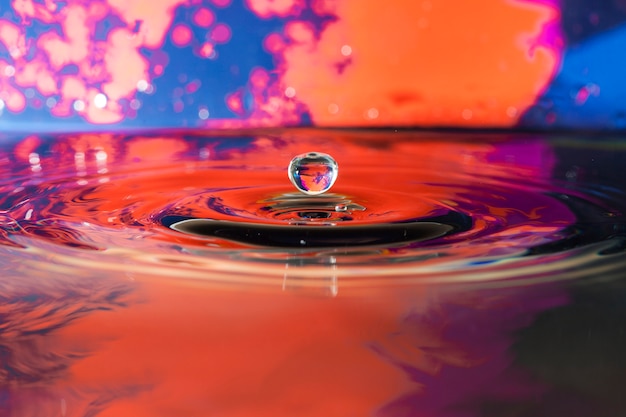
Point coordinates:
[[313, 173]]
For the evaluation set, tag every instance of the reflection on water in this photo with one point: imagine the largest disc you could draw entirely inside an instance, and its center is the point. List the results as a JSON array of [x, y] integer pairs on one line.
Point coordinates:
[[175, 273]]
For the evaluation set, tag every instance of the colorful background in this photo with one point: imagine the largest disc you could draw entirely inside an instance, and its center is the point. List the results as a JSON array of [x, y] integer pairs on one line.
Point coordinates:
[[75, 64]]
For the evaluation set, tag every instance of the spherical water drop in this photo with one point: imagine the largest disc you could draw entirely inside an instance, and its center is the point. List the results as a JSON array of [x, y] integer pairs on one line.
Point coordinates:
[[313, 173]]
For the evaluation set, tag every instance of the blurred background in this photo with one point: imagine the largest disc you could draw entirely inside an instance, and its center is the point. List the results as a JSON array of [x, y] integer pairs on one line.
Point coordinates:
[[86, 65]]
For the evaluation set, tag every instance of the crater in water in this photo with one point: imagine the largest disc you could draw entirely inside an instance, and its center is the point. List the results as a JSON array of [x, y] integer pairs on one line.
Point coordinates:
[[407, 206]]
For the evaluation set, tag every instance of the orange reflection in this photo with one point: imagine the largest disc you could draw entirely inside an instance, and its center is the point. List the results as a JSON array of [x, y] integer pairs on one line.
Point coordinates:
[[126, 341], [237, 353]]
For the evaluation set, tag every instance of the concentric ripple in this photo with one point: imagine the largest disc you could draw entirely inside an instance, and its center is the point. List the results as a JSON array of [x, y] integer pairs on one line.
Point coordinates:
[[407, 207]]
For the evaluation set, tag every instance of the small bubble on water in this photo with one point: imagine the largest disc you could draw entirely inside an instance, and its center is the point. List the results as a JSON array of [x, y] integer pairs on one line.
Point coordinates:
[[313, 173]]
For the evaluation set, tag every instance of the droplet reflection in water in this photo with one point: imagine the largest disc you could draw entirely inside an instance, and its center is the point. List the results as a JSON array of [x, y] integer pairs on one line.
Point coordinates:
[[313, 173]]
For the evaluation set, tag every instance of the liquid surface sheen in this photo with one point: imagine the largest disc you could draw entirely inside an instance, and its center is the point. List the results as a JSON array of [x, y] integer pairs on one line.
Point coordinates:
[[179, 273]]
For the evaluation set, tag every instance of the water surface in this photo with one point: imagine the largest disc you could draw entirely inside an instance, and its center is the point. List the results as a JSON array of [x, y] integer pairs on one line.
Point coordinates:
[[180, 273]]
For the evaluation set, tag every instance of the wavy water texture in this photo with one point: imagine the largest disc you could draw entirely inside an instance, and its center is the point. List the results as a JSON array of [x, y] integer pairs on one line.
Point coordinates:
[[112, 198], [107, 310], [36, 306]]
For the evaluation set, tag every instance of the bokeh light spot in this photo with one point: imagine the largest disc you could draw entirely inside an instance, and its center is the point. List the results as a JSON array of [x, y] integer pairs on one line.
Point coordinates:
[[181, 35], [203, 17], [100, 100], [221, 33]]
